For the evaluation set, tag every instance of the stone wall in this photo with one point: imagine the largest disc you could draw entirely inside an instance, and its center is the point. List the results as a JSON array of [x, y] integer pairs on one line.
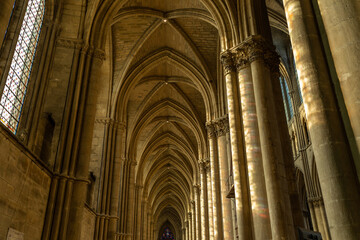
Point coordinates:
[[24, 189], [87, 230]]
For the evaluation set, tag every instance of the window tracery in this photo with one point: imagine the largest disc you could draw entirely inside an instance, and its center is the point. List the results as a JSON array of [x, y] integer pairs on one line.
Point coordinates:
[[15, 87], [167, 235]]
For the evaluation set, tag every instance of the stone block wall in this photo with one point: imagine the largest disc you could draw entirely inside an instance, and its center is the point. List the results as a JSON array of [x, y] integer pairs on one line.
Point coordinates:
[[87, 230], [24, 189]]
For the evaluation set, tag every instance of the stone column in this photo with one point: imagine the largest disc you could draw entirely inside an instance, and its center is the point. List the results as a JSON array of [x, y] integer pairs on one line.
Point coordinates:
[[191, 230], [116, 176], [187, 230], [194, 218], [131, 203], [222, 128], [325, 126], [261, 57], [342, 23], [321, 220], [215, 181], [209, 201], [139, 203], [197, 211], [203, 202], [238, 160], [256, 178]]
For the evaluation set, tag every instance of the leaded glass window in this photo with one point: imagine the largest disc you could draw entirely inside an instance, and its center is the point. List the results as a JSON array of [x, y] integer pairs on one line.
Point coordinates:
[[167, 235], [17, 80]]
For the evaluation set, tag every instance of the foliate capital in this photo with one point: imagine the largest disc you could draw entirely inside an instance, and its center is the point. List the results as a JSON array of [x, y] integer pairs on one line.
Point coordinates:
[[210, 126], [222, 126], [204, 164], [242, 58], [227, 60], [254, 48]]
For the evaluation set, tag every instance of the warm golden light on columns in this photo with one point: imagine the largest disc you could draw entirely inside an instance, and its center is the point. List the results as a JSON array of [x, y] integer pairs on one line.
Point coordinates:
[[203, 201], [325, 126], [197, 211], [261, 55], [222, 128], [214, 168], [209, 200], [259, 205], [239, 170]]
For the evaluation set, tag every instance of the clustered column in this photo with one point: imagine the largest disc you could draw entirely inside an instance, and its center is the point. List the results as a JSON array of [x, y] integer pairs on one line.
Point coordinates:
[[339, 183], [215, 182], [263, 158], [222, 128]]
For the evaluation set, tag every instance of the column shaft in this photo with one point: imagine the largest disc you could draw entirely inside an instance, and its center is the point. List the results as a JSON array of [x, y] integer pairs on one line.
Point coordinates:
[[338, 182], [222, 128], [210, 203], [215, 182], [342, 23], [238, 161], [270, 145], [203, 201], [259, 204]]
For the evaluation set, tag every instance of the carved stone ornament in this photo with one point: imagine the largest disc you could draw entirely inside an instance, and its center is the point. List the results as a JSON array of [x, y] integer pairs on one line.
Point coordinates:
[[197, 187], [111, 122], [316, 201], [242, 58], [100, 54], [227, 60], [210, 126], [251, 49], [222, 126], [69, 43]]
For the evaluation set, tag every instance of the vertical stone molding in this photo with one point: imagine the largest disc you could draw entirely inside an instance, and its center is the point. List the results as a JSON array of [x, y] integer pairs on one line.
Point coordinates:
[[324, 121]]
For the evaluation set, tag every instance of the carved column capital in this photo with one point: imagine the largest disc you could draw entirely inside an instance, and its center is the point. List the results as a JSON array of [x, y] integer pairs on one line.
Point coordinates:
[[222, 126], [227, 60], [210, 127], [197, 187], [242, 58], [254, 48], [316, 201]]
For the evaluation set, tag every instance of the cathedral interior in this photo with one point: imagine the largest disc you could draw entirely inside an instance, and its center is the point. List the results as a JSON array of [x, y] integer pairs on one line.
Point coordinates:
[[179, 119]]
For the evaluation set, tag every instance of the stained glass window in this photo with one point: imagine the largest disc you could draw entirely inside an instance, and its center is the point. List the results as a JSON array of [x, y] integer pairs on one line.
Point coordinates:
[[17, 80], [167, 235]]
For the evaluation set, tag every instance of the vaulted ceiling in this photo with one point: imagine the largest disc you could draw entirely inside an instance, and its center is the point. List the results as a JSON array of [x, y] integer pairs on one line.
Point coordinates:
[[165, 87], [165, 56]]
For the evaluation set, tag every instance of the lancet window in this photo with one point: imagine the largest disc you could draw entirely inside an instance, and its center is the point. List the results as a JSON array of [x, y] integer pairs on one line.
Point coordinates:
[[15, 87]]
